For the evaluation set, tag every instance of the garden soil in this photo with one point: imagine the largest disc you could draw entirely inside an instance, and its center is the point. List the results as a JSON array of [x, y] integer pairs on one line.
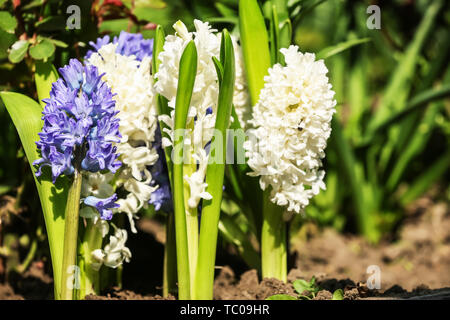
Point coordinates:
[[415, 265]]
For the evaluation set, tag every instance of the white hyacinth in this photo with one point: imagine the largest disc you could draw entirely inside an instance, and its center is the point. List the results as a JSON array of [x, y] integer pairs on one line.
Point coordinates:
[[205, 94], [114, 253], [132, 83], [98, 185], [292, 122]]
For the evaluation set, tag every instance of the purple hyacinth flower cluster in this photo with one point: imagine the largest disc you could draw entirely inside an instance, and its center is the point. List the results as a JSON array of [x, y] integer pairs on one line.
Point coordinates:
[[127, 44], [80, 126]]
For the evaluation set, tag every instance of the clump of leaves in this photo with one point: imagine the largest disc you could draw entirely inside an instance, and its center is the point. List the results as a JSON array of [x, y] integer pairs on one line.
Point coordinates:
[[307, 290]]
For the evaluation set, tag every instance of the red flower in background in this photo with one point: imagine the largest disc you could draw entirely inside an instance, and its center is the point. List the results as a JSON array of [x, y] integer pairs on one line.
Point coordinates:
[[117, 3]]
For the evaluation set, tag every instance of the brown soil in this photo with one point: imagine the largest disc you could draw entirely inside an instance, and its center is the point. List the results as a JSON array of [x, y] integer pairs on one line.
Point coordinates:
[[415, 266]]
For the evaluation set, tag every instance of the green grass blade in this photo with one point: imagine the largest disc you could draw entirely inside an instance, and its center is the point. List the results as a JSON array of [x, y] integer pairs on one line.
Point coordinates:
[[215, 176], [26, 116], [274, 37], [424, 181], [255, 46], [400, 83], [44, 77], [333, 50], [353, 172], [416, 103], [158, 44], [186, 79]]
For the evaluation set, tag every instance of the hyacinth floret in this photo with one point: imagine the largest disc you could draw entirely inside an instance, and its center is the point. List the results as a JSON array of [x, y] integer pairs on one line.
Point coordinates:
[[127, 44]]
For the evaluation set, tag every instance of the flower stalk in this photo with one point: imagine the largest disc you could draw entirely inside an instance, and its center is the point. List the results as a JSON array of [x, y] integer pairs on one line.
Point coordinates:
[[89, 275], [273, 241], [70, 237]]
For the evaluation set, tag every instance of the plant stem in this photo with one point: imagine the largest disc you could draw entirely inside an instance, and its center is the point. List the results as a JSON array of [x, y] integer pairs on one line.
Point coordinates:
[[273, 241], [70, 236], [89, 277], [191, 225], [170, 258]]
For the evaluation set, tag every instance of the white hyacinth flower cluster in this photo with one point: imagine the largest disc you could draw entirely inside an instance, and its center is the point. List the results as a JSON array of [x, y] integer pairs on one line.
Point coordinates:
[[292, 122], [114, 253], [132, 83], [203, 108]]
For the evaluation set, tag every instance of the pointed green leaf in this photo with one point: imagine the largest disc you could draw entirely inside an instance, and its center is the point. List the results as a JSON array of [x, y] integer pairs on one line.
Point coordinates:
[[426, 179], [44, 77], [333, 50], [26, 116], [255, 46], [215, 174], [186, 79]]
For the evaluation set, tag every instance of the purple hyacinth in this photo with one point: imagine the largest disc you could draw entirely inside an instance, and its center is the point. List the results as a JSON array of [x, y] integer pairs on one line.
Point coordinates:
[[103, 205], [161, 198], [127, 44], [80, 126]]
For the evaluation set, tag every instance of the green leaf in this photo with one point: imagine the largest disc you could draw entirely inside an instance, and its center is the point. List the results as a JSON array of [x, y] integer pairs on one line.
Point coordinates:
[[333, 50], [281, 297], [186, 79], [215, 173], [7, 22], [219, 68], [399, 86], [301, 285], [255, 46], [18, 51], [44, 77], [57, 43], [43, 50], [26, 116], [351, 169], [426, 179], [338, 295], [417, 102], [274, 36], [51, 23], [285, 34], [162, 103], [158, 45], [231, 231], [6, 40]]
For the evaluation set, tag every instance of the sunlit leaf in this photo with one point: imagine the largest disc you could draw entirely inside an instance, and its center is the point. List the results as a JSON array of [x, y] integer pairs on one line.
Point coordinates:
[[44, 77], [26, 116], [18, 51], [255, 46]]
